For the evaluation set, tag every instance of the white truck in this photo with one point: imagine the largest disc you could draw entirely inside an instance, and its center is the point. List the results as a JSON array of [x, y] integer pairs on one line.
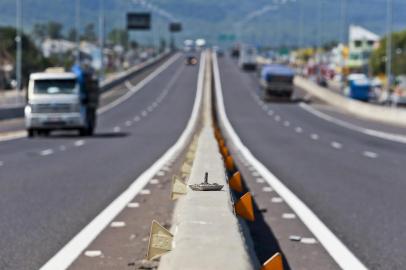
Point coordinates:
[[248, 58], [59, 100]]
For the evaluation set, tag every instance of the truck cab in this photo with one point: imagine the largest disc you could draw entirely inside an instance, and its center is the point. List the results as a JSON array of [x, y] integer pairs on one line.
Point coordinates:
[[248, 58], [59, 100]]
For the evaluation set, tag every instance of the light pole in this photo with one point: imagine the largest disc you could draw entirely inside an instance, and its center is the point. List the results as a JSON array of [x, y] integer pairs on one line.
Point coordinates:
[[18, 40], [77, 26], [101, 36], [389, 11], [301, 11]]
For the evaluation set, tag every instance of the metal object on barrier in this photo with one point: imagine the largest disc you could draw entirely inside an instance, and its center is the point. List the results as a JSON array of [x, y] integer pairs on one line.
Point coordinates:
[[160, 241], [206, 186]]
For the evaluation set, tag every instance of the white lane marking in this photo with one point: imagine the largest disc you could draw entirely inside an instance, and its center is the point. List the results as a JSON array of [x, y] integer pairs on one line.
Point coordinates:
[[370, 154], [139, 85], [79, 143], [286, 123], [270, 113], [264, 107], [288, 216], [117, 129], [277, 200], [136, 118], [77, 244], [144, 113], [93, 253], [336, 145], [260, 180], [128, 85], [314, 136], [308, 240], [145, 192], [128, 123], [1, 163], [46, 152], [267, 189], [133, 205], [117, 224], [371, 132], [150, 108], [154, 181], [161, 173], [254, 173], [298, 130], [277, 118], [337, 250], [62, 148], [154, 104]]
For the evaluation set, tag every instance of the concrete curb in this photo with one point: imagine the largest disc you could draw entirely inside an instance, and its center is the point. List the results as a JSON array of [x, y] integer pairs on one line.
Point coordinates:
[[207, 233], [360, 109], [18, 111]]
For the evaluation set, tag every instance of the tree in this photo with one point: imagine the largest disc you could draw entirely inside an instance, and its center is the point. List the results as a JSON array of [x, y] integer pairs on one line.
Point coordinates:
[[89, 33], [54, 30], [118, 36], [39, 31], [377, 60], [72, 34]]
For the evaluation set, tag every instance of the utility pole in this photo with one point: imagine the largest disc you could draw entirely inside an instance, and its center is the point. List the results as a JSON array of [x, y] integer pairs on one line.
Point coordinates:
[[301, 11], [101, 36], [77, 21], [389, 12], [19, 45]]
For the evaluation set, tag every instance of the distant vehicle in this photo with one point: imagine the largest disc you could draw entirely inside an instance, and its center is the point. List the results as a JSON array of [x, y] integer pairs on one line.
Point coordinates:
[[190, 59], [277, 80], [359, 87], [189, 45], [200, 43], [219, 51], [59, 100], [248, 58], [235, 51]]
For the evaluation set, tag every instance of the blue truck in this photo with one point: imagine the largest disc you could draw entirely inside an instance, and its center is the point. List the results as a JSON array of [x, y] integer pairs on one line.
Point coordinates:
[[277, 80], [359, 87]]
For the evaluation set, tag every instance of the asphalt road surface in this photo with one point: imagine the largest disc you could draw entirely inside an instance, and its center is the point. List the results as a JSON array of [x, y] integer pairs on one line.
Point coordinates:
[[354, 183], [52, 187]]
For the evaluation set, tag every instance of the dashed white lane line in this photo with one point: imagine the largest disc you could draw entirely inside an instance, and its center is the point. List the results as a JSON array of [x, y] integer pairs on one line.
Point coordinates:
[[145, 192], [133, 205], [370, 154], [336, 145], [270, 113], [46, 152], [128, 123], [79, 143], [144, 113], [277, 200], [150, 108], [117, 224], [254, 173], [93, 253], [314, 136], [267, 189], [154, 104], [137, 118], [265, 107], [1, 163], [260, 180], [299, 130], [128, 85], [277, 118], [308, 240], [117, 129], [288, 216], [154, 181], [161, 173], [286, 123]]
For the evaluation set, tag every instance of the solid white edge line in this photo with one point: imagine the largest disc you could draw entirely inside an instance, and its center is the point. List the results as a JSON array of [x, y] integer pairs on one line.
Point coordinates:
[[22, 133], [333, 245], [64, 258], [371, 132]]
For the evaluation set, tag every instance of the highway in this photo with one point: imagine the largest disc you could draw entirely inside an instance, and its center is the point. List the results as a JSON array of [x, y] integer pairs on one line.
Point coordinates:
[[51, 187], [353, 182]]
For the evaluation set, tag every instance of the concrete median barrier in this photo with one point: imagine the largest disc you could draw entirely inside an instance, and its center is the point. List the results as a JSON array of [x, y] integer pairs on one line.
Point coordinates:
[[368, 111], [207, 233]]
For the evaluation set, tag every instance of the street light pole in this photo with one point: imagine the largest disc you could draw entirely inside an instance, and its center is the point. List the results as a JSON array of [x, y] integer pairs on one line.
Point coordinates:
[[101, 36], [19, 45], [77, 21], [389, 11]]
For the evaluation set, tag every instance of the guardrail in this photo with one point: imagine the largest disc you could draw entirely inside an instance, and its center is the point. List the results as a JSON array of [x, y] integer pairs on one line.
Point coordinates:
[[207, 233], [368, 111], [18, 111]]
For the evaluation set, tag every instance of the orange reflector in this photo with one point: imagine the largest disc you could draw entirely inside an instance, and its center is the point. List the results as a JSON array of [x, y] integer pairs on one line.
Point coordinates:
[[224, 151], [221, 143], [244, 208], [236, 183], [229, 163], [274, 263]]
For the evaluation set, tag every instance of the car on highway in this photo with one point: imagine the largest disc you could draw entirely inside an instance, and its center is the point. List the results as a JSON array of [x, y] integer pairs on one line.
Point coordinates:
[[277, 80], [59, 100], [248, 58]]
